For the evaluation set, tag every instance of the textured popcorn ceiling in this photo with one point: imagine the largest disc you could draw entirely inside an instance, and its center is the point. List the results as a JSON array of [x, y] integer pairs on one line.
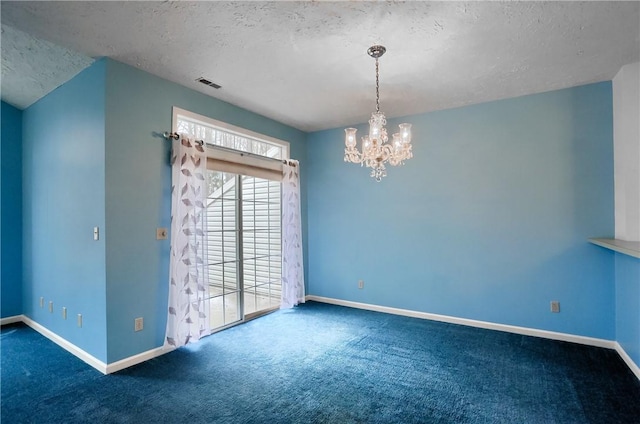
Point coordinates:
[[32, 67], [305, 63]]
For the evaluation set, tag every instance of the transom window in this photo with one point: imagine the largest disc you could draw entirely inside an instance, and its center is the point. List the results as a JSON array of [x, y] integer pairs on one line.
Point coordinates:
[[221, 134]]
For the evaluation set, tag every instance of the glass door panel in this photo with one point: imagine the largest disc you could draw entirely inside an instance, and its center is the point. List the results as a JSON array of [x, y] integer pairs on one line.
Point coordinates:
[[243, 246], [261, 243], [222, 249]]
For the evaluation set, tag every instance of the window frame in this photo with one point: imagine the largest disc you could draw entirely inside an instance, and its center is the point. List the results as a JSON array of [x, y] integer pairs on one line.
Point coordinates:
[[239, 131]]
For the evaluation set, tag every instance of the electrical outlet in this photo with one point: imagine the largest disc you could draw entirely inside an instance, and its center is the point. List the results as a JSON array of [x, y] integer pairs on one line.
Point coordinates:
[[96, 233], [555, 306], [161, 233], [42, 302], [360, 284], [51, 307], [138, 324], [64, 313], [80, 320]]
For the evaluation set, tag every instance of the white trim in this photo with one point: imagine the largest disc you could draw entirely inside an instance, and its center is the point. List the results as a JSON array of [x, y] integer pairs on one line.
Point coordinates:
[[631, 248], [81, 354], [66, 345], [137, 359], [11, 320], [627, 359], [609, 344]]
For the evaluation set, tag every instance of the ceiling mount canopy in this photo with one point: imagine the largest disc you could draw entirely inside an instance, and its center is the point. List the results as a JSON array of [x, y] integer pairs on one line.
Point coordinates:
[[375, 149], [376, 51]]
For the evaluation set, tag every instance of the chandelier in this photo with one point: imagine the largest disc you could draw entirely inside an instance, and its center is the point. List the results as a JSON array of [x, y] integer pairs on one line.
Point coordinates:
[[376, 151]]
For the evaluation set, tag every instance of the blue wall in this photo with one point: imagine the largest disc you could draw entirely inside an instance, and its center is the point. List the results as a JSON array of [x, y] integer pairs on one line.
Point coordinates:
[[63, 190], [138, 182], [11, 212], [489, 220], [628, 305], [94, 156]]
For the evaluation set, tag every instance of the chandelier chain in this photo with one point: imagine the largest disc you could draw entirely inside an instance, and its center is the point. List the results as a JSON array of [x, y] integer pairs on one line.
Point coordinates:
[[377, 87]]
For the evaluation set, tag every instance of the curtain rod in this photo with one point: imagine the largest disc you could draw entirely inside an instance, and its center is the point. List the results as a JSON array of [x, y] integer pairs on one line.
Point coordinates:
[[176, 136]]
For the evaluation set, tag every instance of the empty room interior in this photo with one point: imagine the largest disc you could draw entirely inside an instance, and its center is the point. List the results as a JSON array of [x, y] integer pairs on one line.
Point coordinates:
[[320, 212]]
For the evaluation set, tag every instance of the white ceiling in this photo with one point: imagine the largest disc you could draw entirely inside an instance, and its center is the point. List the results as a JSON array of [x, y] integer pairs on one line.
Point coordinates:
[[305, 63]]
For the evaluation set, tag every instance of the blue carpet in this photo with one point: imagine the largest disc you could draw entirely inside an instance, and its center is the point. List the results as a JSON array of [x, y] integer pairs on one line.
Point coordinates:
[[322, 363]]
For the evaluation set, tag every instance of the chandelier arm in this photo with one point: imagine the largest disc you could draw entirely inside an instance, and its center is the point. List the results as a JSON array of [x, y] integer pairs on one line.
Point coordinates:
[[386, 152], [353, 155]]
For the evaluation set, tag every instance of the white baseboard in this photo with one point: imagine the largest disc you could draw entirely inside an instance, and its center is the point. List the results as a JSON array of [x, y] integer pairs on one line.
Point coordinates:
[[11, 320], [590, 341], [66, 345], [627, 359], [610, 344], [81, 354], [137, 359]]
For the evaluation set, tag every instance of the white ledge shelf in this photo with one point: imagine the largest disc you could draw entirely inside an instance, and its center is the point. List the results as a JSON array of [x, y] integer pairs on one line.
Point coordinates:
[[631, 248]]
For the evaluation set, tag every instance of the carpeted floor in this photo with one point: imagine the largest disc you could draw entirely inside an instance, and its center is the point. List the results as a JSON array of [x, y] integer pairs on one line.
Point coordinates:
[[322, 363]]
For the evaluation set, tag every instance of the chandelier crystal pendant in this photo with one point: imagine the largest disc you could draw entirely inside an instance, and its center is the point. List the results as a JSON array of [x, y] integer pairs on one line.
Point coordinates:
[[376, 151]]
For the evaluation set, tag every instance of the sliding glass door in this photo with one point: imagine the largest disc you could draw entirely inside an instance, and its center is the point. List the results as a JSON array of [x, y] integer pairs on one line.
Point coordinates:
[[244, 192], [243, 246], [261, 244]]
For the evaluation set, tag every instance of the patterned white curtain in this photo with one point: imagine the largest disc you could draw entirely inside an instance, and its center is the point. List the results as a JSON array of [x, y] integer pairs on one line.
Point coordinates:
[[292, 266], [187, 318]]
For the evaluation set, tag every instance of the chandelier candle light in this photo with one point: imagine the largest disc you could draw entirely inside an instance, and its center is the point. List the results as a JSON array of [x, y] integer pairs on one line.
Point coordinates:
[[375, 149]]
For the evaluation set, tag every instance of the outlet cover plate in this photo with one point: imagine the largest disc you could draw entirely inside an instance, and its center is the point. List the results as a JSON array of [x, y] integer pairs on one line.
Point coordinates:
[[161, 233]]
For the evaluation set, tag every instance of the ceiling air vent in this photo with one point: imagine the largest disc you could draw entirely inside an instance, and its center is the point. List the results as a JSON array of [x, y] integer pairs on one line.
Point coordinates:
[[209, 83]]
